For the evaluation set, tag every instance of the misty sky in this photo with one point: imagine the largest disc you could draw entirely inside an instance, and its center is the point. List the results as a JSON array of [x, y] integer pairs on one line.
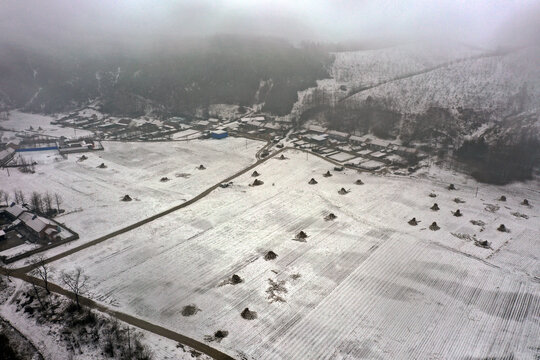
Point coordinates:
[[479, 22]]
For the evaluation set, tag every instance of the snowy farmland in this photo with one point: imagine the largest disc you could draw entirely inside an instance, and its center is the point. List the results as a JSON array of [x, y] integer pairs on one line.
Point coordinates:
[[92, 194], [364, 285]]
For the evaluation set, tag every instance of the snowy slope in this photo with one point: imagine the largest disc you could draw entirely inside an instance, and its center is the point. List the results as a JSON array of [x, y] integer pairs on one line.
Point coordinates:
[[364, 68], [487, 83], [365, 285]]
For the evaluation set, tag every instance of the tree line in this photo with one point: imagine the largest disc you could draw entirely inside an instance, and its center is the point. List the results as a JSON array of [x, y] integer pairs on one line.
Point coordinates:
[[41, 203]]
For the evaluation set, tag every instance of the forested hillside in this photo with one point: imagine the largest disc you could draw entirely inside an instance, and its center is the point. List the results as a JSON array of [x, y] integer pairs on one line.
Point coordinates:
[[222, 69]]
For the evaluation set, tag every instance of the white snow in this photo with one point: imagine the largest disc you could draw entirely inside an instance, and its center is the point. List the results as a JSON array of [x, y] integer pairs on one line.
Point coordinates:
[[92, 195], [369, 284], [20, 121]]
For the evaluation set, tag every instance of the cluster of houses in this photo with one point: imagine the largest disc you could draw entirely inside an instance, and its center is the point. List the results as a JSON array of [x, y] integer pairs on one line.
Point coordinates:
[[363, 152], [33, 227]]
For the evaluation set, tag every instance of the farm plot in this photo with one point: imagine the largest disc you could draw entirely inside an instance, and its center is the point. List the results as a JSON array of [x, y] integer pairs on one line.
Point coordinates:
[[365, 283], [156, 176]]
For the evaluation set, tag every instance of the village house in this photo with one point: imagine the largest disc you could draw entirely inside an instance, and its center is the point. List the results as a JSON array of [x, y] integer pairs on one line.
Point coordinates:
[[39, 226]]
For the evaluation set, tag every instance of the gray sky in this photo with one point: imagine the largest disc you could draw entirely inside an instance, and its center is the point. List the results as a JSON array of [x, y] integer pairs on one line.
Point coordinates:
[[479, 22]]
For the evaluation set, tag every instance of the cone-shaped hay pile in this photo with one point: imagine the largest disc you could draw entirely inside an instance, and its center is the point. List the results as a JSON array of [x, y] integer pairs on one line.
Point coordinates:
[[457, 213], [236, 279], [482, 243], [255, 174], [312, 182], [342, 191], [282, 157], [451, 187], [502, 198], [164, 179], [257, 182], [502, 228], [270, 255], [327, 174], [201, 167], [330, 217], [434, 226], [435, 207], [359, 182], [525, 202], [102, 166], [127, 198], [432, 195], [413, 222], [248, 314], [301, 235]]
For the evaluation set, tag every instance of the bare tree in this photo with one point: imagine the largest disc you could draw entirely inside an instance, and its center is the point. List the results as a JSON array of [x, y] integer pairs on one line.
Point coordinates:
[[58, 200], [33, 282], [19, 196], [42, 271], [76, 282], [47, 202], [35, 202]]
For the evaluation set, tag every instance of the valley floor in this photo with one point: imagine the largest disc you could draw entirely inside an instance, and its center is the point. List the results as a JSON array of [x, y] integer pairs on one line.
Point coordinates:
[[366, 284]]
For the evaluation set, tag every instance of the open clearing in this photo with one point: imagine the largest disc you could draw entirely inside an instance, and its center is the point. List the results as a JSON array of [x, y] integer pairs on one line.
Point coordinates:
[[92, 195], [365, 285]]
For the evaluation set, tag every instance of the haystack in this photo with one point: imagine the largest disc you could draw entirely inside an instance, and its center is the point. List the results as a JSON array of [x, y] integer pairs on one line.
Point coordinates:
[[257, 182], [413, 222], [502, 228], [502, 198], [127, 198], [201, 167], [82, 158], [282, 157], [434, 226], [459, 201], [432, 195], [301, 235], [190, 310], [330, 217], [221, 334], [255, 173], [327, 174], [359, 182], [342, 191], [102, 166], [312, 182], [435, 207], [248, 314], [482, 243], [451, 187], [236, 279], [164, 179], [338, 168], [457, 213], [525, 202], [270, 255]]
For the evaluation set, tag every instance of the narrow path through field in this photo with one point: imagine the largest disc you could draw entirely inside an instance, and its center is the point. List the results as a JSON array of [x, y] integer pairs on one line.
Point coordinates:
[[140, 323], [140, 223]]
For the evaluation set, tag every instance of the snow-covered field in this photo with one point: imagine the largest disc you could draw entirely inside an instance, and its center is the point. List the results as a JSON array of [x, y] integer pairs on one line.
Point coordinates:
[[21, 121], [47, 338], [92, 195], [365, 285]]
